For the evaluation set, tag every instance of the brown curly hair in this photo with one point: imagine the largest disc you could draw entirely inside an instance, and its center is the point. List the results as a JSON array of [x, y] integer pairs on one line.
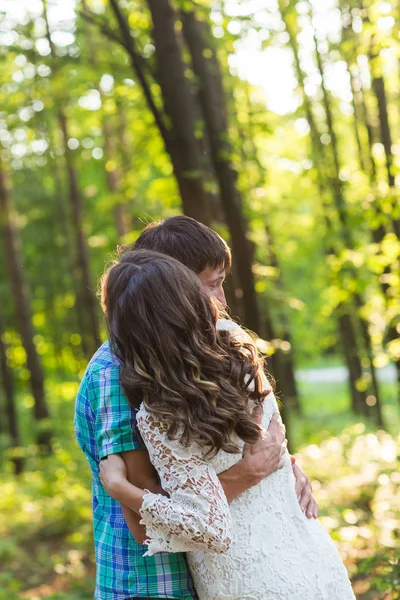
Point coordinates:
[[163, 330]]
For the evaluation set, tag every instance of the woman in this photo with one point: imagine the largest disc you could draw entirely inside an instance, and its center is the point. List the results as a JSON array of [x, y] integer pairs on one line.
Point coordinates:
[[195, 389]]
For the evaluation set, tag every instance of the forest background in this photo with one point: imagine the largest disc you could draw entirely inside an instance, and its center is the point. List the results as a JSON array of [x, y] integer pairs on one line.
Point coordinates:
[[277, 122]]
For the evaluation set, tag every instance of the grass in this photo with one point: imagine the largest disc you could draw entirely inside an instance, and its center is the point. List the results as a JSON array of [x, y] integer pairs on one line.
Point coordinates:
[[326, 412], [46, 547]]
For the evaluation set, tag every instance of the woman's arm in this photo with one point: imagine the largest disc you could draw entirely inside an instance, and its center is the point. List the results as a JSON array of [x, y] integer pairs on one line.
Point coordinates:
[[135, 466], [196, 516]]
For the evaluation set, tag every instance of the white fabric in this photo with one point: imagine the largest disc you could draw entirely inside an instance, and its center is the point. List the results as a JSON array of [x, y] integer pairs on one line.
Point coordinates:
[[196, 515], [264, 548]]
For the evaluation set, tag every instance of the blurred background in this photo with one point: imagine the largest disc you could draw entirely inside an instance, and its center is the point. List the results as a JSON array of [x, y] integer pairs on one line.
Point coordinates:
[[277, 122]]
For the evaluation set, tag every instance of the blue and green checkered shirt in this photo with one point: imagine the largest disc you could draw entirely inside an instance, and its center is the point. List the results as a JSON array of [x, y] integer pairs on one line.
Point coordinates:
[[104, 425]]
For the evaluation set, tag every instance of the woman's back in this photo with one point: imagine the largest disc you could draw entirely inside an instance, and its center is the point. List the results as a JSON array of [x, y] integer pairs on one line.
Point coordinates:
[[276, 552]]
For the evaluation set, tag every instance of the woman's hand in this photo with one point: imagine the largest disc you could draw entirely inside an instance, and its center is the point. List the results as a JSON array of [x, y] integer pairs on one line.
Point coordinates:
[[113, 475]]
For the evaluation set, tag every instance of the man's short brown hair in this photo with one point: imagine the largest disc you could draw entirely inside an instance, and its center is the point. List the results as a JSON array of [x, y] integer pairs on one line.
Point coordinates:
[[185, 239]]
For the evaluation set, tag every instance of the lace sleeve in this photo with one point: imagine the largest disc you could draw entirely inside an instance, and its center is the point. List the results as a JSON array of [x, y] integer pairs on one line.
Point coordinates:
[[196, 515]]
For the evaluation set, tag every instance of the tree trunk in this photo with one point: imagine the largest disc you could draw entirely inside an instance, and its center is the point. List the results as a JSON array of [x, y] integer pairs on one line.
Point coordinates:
[[346, 330], [10, 406], [285, 358], [180, 105], [114, 176], [113, 171], [178, 99], [86, 297], [63, 223], [346, 234], [380, 226], [212, 97], [378, 86], [23, 312], [350, 349]]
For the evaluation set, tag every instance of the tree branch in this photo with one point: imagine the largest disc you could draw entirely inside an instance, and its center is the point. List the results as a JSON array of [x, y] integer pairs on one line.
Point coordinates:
[[137, 64]]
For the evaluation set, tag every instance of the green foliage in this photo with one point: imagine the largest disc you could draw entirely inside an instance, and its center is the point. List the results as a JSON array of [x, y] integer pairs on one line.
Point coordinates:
[[355, 477], [304, 269], [46, 543]]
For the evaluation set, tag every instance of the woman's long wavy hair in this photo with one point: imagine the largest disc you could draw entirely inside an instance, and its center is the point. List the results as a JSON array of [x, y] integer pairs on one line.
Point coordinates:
[[163, 330]]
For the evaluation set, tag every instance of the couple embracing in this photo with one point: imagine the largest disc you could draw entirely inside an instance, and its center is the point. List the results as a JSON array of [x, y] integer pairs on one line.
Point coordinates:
[[194, 493]]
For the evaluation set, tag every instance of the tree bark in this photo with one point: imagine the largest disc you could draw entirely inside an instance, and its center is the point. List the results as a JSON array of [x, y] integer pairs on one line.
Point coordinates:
[[114, 176], [20, 292], [285, 365], [178, 100], [10, 405], [86, 297], [212, 97], [179, 104], [379, 89], [63, 223]]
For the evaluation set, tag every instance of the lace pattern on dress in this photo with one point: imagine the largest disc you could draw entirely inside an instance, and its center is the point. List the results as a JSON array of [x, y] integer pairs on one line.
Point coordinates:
[[196, 515]]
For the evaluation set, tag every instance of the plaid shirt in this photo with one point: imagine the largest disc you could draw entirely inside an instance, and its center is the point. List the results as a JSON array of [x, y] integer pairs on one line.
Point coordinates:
[[104, 425]]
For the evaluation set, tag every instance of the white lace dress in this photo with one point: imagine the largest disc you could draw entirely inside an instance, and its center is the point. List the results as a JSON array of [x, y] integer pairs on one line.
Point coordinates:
[[261, 547]]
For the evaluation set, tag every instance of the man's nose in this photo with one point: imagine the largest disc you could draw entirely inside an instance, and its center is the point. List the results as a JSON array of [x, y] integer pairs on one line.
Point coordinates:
[[220, 296]]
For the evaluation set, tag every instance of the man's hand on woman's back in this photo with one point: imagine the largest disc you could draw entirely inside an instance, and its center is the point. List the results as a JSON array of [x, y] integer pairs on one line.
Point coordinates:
[[259, 459], [266, 455]]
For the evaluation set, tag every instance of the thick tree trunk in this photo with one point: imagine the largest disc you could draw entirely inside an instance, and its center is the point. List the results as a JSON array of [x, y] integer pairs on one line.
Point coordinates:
[[212, 97], [180, 106], [178, 99], [10, 406], [378, 85], [23, 312]]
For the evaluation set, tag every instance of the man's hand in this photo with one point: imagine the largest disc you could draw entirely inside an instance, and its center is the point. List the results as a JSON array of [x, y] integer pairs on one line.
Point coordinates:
[[266, 455], [304, 491], [259, 460]]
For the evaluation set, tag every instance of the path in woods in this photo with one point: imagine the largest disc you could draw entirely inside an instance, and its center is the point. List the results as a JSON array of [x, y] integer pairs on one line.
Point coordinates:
[[339, 374]]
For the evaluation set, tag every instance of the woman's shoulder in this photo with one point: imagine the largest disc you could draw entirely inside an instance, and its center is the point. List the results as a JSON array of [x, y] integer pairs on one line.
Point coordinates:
[[228, 325], [234, 329]]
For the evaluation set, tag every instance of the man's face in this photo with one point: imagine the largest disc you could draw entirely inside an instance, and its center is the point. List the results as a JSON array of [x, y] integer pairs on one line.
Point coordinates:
[[212, 281]]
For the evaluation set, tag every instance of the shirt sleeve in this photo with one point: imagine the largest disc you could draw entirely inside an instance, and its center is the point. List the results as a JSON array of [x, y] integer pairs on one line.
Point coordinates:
[[196, 515], [115, 419]]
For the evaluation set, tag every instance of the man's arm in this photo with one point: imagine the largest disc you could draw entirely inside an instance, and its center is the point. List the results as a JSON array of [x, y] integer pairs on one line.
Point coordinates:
[[259, 460]]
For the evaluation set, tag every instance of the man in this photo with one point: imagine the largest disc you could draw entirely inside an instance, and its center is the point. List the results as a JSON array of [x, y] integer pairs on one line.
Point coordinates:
[[105, 425]]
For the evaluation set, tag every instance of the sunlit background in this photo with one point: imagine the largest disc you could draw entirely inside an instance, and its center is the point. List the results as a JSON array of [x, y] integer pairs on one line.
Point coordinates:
[[296, 104]]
